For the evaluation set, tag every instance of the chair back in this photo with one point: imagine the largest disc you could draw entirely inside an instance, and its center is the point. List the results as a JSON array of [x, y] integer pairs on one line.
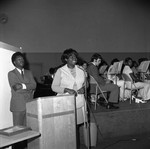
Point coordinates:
[[126, 77], [93, 86], [92, 80]]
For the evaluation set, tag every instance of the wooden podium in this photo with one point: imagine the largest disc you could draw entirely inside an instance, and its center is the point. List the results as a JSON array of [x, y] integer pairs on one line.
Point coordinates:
[[55, 118]]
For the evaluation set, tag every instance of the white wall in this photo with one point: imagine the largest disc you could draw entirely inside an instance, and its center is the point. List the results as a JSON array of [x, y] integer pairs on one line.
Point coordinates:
[[86, 25], [6, 65]]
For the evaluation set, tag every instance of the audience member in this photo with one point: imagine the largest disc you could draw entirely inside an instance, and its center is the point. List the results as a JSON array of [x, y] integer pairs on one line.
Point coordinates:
[[112, 88], [145, 76], [141, 60], [117, 79], [103, 69], [144, 92], [52, 72], [135, 69], [82, 63]]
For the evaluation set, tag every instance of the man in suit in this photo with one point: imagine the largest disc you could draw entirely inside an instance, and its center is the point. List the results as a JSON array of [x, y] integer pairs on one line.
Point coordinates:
[[22, 86], [107, 86]]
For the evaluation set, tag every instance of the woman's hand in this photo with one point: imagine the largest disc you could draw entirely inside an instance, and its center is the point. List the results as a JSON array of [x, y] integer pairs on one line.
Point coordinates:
[[70, 91]]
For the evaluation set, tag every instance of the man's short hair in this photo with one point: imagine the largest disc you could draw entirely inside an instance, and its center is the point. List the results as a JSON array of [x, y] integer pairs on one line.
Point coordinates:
[[95, 57], [15, 55]]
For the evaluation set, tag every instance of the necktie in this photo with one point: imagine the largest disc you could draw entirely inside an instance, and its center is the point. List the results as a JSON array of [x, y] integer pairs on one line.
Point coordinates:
[[22, 74]]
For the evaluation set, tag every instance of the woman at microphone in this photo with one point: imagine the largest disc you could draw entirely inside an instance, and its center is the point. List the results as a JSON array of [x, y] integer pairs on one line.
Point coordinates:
[[70, 79]]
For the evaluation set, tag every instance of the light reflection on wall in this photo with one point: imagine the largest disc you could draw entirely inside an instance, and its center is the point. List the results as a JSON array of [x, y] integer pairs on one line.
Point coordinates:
[[5, 92]]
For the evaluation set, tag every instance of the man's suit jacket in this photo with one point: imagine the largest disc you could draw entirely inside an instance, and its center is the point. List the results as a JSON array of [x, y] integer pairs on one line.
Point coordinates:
[[112, 88], [20, 97], [93, 71]]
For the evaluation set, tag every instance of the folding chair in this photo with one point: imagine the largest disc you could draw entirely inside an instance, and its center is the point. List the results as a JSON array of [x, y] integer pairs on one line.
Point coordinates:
[[126, 78], [93, 83]]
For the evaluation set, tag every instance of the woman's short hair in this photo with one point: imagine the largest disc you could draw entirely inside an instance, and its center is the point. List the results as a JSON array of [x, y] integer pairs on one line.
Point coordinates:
[[15, 55], [114, 60], [127, 59], [67, 53]]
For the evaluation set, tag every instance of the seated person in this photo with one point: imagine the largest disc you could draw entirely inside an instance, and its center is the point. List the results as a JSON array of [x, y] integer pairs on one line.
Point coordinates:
[[144, 92], [135, 67], [145, 76], [112, 88], [116, 79], [82, 64], [103, 68]]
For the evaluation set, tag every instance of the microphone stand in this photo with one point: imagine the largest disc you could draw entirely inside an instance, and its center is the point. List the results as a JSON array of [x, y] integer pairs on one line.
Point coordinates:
[[86, 113]]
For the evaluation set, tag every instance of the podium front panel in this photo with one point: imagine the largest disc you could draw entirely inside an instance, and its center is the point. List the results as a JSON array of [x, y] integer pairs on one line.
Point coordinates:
[[55, 118]]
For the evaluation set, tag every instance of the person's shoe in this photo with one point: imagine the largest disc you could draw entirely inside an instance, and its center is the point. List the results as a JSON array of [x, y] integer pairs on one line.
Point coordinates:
[[111, 106], [114, 107], [139, 101]]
